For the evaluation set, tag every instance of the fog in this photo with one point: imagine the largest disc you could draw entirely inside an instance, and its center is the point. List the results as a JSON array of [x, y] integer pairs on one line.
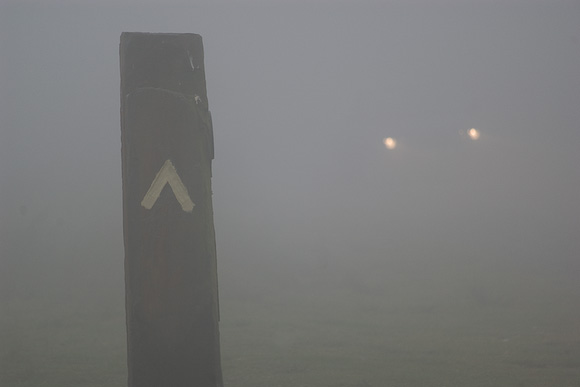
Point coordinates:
[[307, 198]]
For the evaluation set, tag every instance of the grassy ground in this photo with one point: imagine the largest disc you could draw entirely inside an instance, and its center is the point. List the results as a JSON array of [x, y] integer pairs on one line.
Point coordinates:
[[321, 329]]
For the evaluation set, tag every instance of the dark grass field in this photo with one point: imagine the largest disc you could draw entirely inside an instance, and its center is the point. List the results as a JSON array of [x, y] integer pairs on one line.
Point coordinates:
[[443, 325]]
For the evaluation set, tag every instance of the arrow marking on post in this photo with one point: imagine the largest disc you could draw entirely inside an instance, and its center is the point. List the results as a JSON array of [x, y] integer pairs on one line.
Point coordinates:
[[168, 174]]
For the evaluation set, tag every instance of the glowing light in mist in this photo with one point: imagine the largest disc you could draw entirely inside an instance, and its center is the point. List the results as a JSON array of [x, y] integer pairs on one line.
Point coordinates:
[[390, 143], [473, 133]]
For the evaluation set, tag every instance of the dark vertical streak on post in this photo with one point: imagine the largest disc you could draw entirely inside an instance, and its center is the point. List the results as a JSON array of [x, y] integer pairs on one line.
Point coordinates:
[[170, 260]]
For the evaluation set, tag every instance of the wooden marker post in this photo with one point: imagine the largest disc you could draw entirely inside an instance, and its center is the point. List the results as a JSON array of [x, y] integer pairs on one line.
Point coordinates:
[[170, 258]]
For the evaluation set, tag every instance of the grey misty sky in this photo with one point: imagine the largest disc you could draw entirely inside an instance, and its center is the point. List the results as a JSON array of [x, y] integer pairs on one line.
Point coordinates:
[[302, 94]]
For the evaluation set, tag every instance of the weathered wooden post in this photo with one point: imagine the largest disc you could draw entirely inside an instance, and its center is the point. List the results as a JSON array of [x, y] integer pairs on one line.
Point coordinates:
[[170, 258]]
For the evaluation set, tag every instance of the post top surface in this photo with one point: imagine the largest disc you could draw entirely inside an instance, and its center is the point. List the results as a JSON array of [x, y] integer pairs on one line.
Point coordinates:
[[170, 61], [138, 33]]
